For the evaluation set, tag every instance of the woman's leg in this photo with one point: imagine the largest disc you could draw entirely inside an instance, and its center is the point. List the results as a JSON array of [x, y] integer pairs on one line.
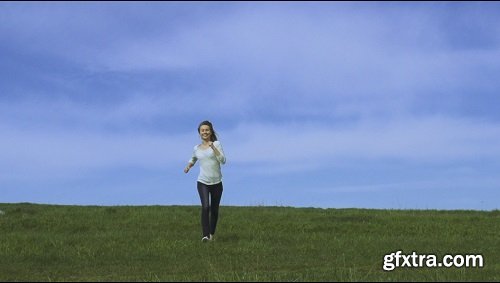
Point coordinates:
[[215, 196], [205, 207]]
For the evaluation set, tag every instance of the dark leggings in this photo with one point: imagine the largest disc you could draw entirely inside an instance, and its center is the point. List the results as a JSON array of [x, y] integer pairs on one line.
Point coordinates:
[[209, 208]]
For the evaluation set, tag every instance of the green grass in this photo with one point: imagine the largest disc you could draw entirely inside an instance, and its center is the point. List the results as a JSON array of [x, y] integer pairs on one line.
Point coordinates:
[[163, 243]]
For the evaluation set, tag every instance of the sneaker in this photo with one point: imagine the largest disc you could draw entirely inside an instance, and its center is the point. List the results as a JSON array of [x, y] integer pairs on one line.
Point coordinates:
[[205, 239], [211, 237]]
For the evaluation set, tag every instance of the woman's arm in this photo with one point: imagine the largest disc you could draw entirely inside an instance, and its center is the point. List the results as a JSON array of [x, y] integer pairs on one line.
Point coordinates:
[[191, 161], [219, 152], [188, 166]]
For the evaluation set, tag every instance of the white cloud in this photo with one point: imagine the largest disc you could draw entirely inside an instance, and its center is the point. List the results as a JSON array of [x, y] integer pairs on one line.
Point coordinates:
[[52, 154], [349, 63], [430, 139], [352, 60]]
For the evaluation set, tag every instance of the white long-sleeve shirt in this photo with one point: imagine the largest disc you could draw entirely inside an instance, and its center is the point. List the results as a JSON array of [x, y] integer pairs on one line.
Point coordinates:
[[210, 173]]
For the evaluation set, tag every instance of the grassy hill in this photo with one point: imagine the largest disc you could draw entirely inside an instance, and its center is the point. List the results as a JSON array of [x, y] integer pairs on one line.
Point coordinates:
[[163, 243]]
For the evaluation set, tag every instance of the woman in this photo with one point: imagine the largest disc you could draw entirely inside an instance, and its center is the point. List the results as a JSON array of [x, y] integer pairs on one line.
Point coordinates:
[[211, 156]]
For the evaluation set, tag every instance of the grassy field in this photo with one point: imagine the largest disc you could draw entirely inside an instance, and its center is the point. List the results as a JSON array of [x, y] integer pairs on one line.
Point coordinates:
[[163, 243]]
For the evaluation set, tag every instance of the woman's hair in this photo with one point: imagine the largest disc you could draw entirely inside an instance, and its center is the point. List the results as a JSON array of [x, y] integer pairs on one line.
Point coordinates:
[[213, 136]]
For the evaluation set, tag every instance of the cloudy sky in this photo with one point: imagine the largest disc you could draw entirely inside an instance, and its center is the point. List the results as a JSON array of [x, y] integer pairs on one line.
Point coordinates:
[[367, 105]]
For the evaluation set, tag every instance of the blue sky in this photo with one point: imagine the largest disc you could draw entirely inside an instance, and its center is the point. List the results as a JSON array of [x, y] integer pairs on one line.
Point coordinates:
[[325, 104]]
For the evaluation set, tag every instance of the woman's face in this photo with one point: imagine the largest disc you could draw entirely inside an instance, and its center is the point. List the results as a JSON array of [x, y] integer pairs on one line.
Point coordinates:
[[205, 132]]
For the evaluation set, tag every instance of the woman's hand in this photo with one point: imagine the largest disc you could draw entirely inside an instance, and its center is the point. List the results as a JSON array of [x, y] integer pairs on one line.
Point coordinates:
[[216, 151], [188, 167]]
